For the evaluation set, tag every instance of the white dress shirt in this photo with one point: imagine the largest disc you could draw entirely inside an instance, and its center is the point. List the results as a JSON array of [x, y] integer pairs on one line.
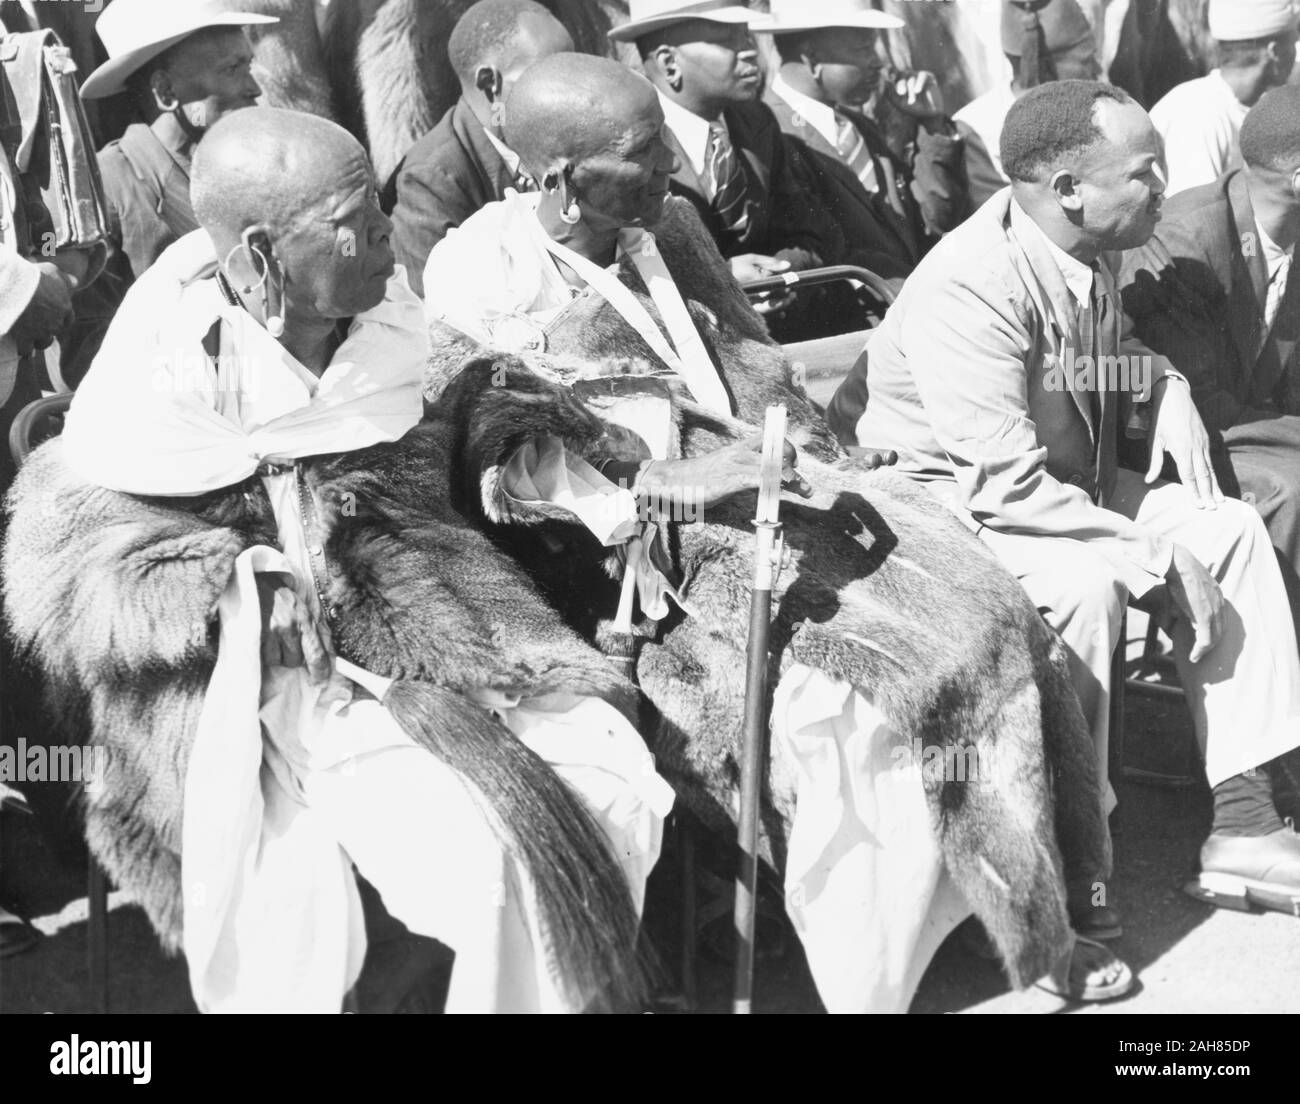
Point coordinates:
[[693, 135], [1277, 261]]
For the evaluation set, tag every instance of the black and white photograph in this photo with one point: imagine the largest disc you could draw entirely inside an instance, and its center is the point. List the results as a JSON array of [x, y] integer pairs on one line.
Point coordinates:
[[650, 507]]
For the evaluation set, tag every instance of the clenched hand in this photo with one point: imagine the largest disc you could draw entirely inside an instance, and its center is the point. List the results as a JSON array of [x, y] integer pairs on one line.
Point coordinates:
[[290, 638], [708, 480], [49, 312]]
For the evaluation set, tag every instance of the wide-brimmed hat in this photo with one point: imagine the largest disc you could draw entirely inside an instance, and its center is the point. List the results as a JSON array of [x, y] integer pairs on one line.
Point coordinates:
[[788, 16], [134, 32], [650, 15]]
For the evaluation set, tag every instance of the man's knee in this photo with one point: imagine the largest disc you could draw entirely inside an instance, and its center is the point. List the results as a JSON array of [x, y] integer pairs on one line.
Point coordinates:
[[1090, 600], [1242, 522]]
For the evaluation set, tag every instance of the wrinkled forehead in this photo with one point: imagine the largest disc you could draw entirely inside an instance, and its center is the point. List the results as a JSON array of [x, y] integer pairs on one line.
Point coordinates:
[[346, 188], [619, 120]]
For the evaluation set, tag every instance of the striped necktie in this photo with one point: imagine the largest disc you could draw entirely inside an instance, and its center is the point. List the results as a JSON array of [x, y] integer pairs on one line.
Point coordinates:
[[729, 185], [853, 150]]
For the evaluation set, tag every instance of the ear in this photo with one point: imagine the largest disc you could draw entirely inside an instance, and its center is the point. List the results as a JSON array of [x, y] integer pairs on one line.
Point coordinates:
[[665, 60], [1066, 189], [558, 173], [258, 247], [1295, 183], [489, 81], [164, 94], [809, 53]]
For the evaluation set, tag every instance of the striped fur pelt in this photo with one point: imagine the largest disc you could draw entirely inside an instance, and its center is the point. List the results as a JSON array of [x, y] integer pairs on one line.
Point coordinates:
[[112, 598], [883, 588]]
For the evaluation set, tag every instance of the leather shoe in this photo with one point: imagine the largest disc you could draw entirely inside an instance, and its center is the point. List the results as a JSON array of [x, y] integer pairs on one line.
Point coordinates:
[[1244, 871]]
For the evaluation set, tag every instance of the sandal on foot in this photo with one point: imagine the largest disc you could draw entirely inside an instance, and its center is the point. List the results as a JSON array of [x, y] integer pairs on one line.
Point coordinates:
[[16, 935], [1089, 972]]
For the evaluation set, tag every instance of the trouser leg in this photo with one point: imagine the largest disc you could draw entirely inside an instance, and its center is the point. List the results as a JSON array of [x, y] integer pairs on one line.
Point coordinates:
[[1244, 696], [1269, 480], [424, 841]]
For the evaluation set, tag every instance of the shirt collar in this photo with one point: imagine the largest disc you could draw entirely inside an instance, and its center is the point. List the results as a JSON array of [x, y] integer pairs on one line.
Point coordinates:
[[691, 131], [507, 154], [821, 117], [173, 137], [1274, 254], [1077, 275]]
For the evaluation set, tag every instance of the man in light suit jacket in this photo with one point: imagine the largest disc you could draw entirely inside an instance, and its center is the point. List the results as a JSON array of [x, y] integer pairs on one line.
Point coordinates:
[[1214, 292], [983, 377]]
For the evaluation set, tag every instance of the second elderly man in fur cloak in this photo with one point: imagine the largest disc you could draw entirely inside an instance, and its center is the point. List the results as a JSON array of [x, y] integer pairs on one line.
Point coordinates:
[[237, 566], [602, 381]]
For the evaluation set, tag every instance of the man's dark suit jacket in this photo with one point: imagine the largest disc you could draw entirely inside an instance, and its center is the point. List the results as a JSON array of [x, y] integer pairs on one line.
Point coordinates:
[[784, 220], [1196, 293], [933, 190], [448, 175]]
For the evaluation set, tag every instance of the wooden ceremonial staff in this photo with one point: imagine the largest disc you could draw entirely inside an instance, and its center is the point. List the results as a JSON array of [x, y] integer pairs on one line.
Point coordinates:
[[767, 536]]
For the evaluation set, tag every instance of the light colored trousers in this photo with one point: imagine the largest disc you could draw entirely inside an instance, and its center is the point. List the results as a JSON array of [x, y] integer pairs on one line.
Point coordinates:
[[423, 839], [1244, 696]]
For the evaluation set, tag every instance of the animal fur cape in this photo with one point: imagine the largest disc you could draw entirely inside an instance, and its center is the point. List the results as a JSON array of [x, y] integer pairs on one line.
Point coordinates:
[[882, 588], [114, 596]]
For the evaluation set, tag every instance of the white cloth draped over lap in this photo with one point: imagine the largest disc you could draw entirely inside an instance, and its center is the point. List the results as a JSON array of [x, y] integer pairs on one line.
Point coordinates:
[[272, 918], [865, 882]]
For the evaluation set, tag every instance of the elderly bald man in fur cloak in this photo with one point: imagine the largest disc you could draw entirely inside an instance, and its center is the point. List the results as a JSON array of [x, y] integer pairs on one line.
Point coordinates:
[[238, 566], [603, 374]]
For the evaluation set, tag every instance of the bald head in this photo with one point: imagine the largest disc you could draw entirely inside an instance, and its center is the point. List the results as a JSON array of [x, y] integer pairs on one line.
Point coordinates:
[[273, 168], [290, 204], [569, 107]]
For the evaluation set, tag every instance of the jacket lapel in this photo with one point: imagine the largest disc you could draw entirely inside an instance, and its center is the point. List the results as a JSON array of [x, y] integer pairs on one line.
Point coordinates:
[[1249, 285], [493, 173], [1060, 315], [685, 175]]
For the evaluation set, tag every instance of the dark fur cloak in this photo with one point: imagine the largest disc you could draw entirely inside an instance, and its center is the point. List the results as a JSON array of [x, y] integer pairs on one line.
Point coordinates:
[[113, 597], [883, 588]]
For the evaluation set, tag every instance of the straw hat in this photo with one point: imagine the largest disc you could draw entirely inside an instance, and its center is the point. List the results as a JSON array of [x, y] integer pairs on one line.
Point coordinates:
[[134, 32]]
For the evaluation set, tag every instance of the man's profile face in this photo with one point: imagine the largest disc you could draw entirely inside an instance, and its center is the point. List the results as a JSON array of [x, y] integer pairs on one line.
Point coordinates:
[[211, 75], [850, 63], [719, 61], [339, 262], [1121, 179], [627, 183]]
